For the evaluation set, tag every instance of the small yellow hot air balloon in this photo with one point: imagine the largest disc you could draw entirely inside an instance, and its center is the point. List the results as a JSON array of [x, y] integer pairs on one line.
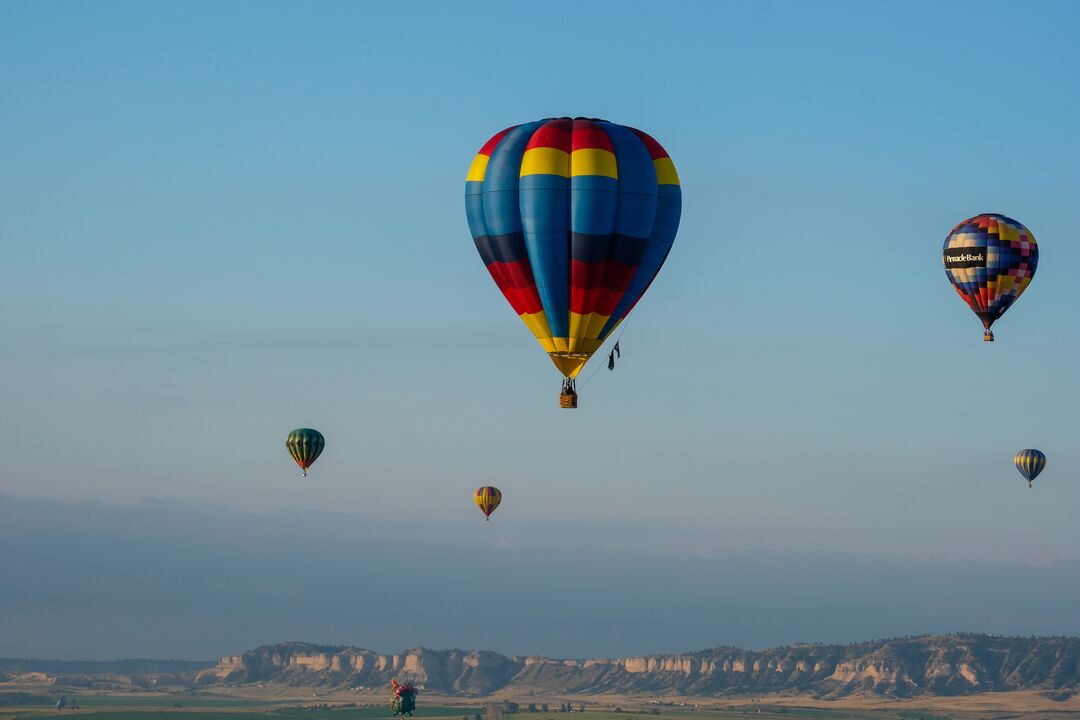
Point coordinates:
[[487, 499]]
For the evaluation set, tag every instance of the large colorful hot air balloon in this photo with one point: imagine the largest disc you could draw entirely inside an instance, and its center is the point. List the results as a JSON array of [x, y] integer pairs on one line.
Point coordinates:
[[487, 499], [573, 219], [305, 445], [1030, 463], [990, 260]]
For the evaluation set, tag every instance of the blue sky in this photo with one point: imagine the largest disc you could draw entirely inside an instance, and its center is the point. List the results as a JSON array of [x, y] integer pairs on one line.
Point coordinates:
[[221, 221]]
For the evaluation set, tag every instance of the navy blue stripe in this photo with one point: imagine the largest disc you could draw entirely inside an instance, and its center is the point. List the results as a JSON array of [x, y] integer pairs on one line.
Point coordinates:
[[618, 248], [502, 248]]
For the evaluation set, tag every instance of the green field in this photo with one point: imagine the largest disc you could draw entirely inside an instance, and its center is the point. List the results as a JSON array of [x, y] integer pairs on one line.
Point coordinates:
[[112, 707]]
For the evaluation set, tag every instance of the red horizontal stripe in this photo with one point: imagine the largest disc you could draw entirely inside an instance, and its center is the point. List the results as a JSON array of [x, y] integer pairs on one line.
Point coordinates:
[[516, 283], [518, 274], [606, 301], [609, 274], [654, 148], [598, 287], [553, 134], [588, 134], [489, 146]]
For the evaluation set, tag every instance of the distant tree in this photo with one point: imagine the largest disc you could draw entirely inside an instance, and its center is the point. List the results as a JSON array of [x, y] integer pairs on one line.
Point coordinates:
[[544, 707], [532, 707]]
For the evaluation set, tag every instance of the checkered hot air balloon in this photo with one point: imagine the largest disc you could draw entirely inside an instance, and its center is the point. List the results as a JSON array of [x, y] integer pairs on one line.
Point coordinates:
[[573, 219], [990, 260], [305, 445], [1030, 463], [487, 499]]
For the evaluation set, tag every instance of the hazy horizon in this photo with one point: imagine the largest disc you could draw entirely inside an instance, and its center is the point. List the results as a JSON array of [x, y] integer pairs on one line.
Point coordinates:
[[169, 580]]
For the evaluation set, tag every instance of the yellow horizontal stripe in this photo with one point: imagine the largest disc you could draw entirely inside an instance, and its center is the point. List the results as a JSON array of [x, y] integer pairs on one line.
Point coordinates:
[[568, 366], [594, 161], [538, 325], [584, 330], [579, 325], [584, 345], [545, 161], [665, 172], [478, 168]]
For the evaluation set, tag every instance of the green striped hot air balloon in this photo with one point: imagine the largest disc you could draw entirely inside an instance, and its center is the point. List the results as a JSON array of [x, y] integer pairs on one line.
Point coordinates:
[[305, 445]]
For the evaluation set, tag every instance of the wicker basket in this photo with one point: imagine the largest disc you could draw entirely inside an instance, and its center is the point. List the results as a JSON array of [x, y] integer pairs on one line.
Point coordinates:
[[568, 399]]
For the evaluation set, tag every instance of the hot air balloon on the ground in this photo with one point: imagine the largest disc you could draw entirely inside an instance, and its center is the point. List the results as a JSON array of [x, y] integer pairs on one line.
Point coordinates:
[[573, 219], [1030, 463], [404, 701], [487, 499], [305, 445], [990, 260]]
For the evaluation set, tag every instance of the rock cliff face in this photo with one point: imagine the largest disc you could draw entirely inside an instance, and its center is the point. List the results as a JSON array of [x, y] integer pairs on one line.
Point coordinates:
[[459, 672], [939, 665]]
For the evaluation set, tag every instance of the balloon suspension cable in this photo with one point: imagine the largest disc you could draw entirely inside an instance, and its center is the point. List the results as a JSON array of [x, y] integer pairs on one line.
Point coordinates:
[[625, 324]]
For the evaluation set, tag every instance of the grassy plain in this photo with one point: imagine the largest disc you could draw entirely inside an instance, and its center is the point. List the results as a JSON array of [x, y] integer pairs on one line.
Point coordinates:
[[289, 703]]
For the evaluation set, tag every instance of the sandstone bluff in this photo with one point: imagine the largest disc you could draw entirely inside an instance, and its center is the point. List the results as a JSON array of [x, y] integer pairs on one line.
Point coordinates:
[[905, 667]]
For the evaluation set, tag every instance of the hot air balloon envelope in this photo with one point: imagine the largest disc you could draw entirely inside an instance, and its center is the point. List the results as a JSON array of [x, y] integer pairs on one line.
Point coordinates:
[[1030, 463], [990, 260], [305, 445], [573, 219], [487, 498], [404, 701]]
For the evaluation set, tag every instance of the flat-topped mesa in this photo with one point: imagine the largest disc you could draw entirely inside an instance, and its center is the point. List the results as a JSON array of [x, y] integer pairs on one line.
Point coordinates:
[[939, 665], [677, 663]]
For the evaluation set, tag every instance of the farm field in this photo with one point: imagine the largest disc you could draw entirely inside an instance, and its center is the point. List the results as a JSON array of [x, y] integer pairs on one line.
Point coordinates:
[[338, 705]]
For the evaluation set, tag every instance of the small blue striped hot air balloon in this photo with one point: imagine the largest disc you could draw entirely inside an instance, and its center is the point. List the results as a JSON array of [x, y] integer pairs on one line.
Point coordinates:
[[573, 219], [1030, 463]]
